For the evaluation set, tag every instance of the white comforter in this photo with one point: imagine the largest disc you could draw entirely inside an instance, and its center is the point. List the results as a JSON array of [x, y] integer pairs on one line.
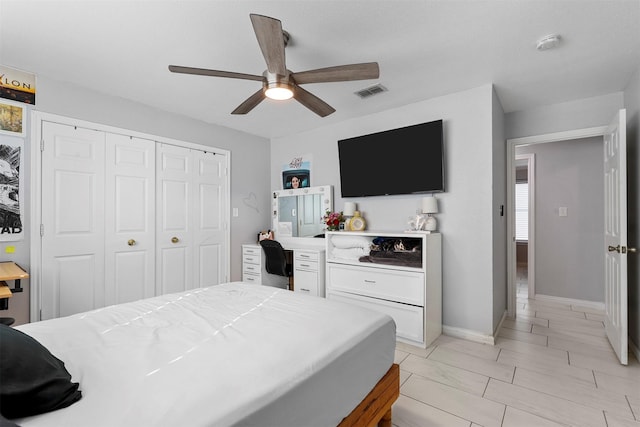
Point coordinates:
[[217, 356]]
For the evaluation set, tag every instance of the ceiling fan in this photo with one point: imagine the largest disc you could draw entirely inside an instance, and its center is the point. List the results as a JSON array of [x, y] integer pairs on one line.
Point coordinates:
[[277, 81]]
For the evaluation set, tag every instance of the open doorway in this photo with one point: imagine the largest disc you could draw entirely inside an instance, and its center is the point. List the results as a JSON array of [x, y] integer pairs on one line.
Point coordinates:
[[564, 224]]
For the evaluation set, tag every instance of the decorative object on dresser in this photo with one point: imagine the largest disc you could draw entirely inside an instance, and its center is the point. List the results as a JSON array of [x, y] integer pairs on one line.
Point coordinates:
[[333, 220], [430, 207], [357, 222], [347, 212], [399, 274]]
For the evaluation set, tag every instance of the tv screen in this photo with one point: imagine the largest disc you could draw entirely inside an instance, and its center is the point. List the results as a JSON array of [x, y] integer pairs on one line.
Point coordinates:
[[400, 161]]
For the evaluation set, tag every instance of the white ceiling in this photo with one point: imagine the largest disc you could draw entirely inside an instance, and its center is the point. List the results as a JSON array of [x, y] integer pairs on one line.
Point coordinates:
[[425, 49]]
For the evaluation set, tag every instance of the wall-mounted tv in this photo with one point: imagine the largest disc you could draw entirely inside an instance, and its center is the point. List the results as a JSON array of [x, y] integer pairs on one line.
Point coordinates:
[[400, 161]]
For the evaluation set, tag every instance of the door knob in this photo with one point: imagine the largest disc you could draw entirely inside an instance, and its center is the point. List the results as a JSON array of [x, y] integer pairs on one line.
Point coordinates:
[[632, 250], [614, 248], [131, 242], [174, 240]]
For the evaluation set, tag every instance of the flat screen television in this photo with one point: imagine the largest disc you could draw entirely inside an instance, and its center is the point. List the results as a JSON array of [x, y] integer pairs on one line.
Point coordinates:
[[407, 160]]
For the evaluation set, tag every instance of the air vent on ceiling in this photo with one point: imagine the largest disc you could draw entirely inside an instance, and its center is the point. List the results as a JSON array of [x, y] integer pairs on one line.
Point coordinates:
[[371, 90]]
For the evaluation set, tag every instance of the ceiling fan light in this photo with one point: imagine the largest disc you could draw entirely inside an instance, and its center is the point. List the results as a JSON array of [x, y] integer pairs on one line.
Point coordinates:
[[279, 92]]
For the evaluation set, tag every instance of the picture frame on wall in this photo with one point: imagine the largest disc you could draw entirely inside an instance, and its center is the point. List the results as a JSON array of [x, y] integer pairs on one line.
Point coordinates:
[[12, 118]]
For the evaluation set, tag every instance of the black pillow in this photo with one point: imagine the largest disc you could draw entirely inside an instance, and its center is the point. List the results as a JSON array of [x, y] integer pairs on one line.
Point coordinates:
[[32, 380]]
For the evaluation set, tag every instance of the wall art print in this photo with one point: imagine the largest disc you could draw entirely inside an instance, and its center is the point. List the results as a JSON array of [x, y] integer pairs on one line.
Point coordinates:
[[297, 173], [11, 185], [12, 118]]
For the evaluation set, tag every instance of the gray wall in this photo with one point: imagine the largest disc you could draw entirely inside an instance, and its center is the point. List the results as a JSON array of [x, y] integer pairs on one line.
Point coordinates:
[[568, 250], [499, 194], [467, 208], [632, 104], [249, 192]]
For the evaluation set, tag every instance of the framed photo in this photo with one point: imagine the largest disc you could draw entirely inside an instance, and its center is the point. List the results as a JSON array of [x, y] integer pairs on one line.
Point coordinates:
[[12, 118]]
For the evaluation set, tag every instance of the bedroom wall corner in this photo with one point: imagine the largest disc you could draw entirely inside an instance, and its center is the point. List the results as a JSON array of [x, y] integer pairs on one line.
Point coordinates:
[[465, 218]]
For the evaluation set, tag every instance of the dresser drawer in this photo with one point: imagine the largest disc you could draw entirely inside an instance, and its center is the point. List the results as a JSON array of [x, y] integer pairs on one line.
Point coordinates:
[[409, 319], [401, 286], [251, 268], [305, 265], [306, 282], [251, 250], [251, 259], [306, 256], [251, 278]]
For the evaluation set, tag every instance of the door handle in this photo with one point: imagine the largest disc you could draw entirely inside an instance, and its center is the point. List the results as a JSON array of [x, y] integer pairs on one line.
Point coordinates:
[[174, 240], [614, 248], [131, 242], [630, 250]]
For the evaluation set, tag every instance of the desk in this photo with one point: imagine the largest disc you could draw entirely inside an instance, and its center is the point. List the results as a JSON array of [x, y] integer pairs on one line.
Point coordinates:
[[308, 269], [10, 271]]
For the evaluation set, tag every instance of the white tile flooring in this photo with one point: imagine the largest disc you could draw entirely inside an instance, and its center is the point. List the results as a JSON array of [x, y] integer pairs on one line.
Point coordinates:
[[551, 366]]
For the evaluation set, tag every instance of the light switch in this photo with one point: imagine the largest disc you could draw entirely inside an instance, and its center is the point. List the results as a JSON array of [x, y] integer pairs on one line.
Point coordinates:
[[235, 212], [562, 211]]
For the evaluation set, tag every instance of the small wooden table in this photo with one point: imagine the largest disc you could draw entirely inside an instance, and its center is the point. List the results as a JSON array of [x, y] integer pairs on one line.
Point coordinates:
[[10, 271]]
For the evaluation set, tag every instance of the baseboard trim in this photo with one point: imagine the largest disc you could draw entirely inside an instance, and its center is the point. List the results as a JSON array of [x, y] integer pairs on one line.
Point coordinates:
[[469, 335], [572, 301]]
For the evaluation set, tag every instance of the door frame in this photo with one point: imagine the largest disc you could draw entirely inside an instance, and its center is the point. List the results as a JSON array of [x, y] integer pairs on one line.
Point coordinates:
[[530, 159], [512, 143], [35, 200]]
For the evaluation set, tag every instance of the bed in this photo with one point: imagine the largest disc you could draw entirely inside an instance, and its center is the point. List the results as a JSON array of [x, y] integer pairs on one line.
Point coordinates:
[[233, 354]]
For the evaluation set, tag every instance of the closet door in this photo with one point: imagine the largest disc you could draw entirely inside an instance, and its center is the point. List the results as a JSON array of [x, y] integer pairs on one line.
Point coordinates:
[[72, 220], [174, 222], [130, 219], [210, 248]]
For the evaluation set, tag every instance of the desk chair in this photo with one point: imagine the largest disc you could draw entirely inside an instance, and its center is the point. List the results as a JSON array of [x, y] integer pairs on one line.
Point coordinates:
[[276, 260]]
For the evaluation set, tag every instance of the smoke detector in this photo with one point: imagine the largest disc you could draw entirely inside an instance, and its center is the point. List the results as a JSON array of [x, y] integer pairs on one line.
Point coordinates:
[[548, 42]]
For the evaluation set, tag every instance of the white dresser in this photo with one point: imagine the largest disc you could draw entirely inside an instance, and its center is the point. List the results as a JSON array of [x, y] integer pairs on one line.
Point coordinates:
[[412, 295], [308, 269]]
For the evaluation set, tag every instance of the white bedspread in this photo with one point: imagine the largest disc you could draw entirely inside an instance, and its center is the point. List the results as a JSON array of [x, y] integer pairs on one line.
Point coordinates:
[[233, 354]]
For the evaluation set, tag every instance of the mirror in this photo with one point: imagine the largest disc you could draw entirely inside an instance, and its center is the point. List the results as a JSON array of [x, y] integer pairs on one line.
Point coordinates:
[[298, 212]]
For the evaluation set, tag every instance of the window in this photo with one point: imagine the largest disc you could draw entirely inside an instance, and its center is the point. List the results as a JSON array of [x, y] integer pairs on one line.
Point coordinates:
[[522, 211]]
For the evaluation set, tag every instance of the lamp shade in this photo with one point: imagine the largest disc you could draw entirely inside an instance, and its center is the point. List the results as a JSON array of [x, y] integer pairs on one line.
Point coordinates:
[[429, 205], [349, 208]]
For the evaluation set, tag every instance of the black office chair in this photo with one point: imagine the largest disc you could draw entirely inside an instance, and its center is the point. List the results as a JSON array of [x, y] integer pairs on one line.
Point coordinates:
[[276, 260]]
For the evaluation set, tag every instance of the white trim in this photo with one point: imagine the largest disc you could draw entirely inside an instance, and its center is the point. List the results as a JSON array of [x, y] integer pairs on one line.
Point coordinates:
[[531, 244], [511, 179], [469, 335], [497, 331], [571, 301], [37, 118]]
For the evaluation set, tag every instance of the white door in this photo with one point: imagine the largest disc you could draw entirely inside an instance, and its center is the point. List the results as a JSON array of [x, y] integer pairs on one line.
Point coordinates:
[[309, 222], [174, 206], [615, 216], [209, 238], [72, 220], [129, 219]]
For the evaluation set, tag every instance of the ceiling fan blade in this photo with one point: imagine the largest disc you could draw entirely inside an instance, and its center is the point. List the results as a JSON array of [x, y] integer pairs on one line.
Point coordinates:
[[250, 103], [312, 102], [340, 73], [214, 73], [271, 40]]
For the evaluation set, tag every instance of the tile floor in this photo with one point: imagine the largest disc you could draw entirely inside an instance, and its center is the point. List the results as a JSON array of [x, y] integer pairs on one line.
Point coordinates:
[[551, 366]]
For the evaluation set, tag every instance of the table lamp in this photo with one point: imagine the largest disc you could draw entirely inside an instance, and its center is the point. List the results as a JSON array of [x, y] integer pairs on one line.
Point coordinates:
[[430, 207]]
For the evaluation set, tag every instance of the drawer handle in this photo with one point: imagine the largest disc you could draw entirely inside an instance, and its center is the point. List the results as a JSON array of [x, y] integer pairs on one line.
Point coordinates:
[[304, 256], [304, 265], [249, 268], [306, 290], [369, 281]]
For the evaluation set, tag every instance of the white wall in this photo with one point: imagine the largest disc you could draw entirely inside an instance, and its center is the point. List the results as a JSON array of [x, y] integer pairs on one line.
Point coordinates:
[[632, 104], [249, 192], [569, 250], [466, 208], [499, 213], [577, 114]]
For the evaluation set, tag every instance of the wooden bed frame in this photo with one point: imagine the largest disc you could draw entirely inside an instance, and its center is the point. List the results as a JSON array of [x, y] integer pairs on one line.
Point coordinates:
[[375, 409]]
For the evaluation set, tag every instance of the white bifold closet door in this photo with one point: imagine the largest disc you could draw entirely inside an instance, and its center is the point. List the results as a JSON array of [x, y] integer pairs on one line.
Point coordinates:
[[73, 213], [191, 186], [127, 218]]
